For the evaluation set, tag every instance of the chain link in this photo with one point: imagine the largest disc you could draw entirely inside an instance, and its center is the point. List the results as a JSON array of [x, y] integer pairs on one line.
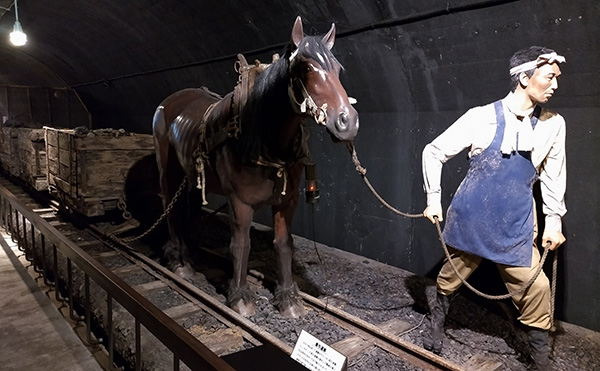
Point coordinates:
[[167, 211], [122, 205]]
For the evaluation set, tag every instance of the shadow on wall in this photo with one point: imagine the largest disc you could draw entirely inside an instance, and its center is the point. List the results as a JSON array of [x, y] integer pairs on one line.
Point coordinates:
[[34, 108], [22, 120]]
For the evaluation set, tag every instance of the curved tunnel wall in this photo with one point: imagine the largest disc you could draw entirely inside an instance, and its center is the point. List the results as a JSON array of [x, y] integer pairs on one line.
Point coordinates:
[[414, 66]]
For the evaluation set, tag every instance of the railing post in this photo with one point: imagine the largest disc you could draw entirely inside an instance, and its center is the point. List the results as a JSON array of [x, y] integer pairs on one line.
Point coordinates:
[[138, 346], [57, 277], [47, 282], [111, 332], [72, 314], [88, 312], [36, 259]]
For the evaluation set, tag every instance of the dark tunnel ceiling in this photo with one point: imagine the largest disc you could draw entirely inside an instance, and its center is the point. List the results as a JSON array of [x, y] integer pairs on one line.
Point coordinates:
[[74, 43], [77, 42]]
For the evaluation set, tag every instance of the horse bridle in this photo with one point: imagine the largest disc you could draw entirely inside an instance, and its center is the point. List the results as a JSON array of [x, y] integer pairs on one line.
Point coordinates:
[[307, 105]]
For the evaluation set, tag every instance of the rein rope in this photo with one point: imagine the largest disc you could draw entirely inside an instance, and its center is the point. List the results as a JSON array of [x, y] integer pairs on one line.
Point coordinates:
[[363, 171]]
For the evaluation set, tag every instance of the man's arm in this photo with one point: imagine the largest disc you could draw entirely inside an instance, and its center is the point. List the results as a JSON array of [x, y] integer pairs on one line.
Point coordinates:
[[553, 181]]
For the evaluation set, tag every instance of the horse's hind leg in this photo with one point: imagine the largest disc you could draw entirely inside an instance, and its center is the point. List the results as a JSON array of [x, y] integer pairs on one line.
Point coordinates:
[[240, 298], [170, 178], [287, 299]]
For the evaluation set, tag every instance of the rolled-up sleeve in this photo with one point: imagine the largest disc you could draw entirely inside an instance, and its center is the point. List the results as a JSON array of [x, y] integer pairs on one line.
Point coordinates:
[[553, 179]]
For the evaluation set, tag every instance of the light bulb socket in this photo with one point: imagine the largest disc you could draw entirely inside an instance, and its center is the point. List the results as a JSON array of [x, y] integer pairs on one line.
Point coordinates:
[[17, 27]]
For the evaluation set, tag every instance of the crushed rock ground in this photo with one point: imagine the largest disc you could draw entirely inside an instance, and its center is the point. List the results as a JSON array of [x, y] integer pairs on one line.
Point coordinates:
[[377, 292]]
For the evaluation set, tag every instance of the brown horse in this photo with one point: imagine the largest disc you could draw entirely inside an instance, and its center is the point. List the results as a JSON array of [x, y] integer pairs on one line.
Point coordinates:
[[252, 152]]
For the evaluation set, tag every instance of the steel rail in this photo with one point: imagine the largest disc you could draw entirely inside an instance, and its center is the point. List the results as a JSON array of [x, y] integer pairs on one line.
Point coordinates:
[[393, 344], [252, 330]]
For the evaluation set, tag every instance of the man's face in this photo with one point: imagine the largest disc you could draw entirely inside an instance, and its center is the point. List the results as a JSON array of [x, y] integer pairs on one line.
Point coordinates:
[[543, 83]]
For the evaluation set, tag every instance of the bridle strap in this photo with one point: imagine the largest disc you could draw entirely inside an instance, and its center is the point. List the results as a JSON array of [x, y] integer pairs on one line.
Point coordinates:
[[307, 105]]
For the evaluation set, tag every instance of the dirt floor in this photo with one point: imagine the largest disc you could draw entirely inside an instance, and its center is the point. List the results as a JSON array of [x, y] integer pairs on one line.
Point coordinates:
[[377, 293]]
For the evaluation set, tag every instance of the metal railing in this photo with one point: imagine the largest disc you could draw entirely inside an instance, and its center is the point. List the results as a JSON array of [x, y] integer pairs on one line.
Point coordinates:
[[33, 235]]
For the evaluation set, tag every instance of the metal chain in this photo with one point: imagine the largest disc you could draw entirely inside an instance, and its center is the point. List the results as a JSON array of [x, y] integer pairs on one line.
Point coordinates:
[[122, 205], [160, 219], [363, 171]]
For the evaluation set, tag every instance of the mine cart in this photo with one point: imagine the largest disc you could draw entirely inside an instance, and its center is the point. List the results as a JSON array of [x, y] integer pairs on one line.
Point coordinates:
[[23, 155], [87, 169]]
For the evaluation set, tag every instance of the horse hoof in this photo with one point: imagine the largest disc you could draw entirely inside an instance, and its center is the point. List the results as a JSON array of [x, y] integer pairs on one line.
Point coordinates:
[[294, 311], [244, 309], [184, 271]]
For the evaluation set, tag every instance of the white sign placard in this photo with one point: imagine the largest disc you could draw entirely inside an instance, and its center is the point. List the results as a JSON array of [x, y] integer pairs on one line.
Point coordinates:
[[315, 355]]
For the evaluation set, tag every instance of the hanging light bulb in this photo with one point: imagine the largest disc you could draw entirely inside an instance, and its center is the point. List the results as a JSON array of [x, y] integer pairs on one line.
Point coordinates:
[[17, 37]]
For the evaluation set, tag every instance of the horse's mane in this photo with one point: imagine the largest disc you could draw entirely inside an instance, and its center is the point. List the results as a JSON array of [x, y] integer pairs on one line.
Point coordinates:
[[266, 104], [269, 101]]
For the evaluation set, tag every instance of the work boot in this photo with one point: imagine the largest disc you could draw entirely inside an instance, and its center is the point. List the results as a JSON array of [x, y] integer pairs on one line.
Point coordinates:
[[540, 349], [439, 310]]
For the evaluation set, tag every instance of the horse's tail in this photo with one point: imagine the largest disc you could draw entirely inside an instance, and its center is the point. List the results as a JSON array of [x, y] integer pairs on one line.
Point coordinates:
[[158, 122], [161, 147]]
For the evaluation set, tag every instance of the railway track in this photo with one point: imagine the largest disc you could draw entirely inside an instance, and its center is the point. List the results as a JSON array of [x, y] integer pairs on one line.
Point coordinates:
[[199, 307], [364, 334]]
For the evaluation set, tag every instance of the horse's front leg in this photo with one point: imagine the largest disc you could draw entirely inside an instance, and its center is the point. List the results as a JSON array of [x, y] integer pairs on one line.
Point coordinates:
[[287, 299], [240, 298]]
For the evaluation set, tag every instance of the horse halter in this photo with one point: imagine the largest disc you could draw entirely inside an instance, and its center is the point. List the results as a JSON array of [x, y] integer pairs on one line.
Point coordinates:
[[307, 105]]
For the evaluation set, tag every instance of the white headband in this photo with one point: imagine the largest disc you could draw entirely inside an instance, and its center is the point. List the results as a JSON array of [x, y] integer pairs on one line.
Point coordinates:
[[541, 60]]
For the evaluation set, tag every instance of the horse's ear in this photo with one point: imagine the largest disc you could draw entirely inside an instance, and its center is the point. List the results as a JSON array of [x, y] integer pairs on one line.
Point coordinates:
[[329, 38], [297, 32]]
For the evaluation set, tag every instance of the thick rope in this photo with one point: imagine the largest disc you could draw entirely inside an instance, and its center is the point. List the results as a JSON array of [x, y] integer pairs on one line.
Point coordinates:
[[281, 171], [363, 171], [201, 179], [492, 297]]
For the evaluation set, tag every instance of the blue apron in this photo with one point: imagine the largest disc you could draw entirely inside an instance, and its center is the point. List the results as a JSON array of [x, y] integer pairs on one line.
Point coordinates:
[[491, 215]]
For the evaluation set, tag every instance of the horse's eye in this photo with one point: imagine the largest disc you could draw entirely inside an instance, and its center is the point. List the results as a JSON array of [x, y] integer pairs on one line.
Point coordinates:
[[310, 68]]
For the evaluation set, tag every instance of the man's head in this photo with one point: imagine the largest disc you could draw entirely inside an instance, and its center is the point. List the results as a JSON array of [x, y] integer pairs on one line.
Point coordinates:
[[535, 70]]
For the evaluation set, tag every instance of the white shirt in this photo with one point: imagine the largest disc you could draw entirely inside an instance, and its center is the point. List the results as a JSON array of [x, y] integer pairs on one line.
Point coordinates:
[[476, 129]]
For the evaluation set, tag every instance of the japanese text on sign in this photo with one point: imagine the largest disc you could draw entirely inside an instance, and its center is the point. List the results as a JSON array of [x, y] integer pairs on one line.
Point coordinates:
[[316, 355]]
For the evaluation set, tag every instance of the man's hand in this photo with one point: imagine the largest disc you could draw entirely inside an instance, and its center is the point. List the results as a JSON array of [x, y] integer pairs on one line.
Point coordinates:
[[432, 211], [553, 239]]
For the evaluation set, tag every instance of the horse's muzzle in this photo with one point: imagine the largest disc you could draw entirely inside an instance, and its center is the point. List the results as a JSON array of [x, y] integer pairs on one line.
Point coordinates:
[[346, 126]]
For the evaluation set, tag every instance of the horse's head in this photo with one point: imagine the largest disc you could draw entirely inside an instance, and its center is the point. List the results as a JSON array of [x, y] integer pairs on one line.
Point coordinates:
[[315, 86]]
